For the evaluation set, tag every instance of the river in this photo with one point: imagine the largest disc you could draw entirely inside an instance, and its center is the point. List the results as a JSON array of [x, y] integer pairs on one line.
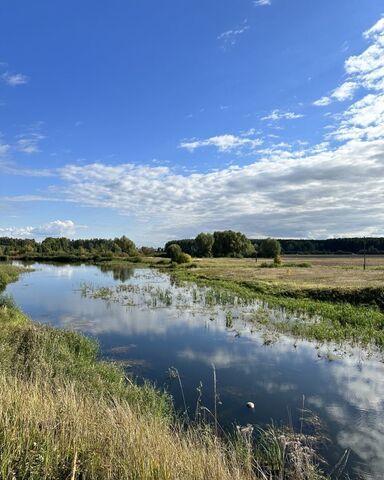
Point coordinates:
[[149, 324]]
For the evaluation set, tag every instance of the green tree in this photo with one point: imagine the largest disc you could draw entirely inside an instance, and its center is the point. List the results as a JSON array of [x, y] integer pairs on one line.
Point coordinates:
[[232, 244], [270, 248], [174, 252], [204, 244], [126, 245]]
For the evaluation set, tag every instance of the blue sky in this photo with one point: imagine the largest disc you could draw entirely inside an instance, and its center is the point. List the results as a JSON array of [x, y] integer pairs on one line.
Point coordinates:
[[161, 119]]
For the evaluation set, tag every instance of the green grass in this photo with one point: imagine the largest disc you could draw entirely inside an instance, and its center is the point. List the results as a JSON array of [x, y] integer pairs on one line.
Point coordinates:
[[327, 313], [9, 274]]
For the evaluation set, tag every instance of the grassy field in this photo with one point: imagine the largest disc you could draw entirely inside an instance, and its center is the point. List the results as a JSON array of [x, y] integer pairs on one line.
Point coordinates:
[[342, 302], [324, 271], [65, 414]]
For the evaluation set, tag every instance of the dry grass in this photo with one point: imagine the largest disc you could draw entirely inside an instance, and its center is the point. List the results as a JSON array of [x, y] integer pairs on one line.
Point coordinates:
[[327, 271], [66, 415], [60, 434]]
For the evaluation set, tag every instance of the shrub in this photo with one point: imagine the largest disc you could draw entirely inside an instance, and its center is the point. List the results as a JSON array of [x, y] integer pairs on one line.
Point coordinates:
[[174, 251], [184, 258], [277, 259]]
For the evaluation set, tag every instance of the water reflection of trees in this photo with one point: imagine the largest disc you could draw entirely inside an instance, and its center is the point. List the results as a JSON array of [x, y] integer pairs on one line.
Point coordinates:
[[119, 272]]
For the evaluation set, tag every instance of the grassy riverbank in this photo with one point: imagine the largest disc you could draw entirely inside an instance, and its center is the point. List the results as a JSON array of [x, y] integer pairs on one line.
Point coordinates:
[[64, 414], [341, 301]]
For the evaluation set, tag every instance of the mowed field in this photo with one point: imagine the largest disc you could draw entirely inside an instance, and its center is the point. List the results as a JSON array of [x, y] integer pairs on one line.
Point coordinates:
[[325, 271]]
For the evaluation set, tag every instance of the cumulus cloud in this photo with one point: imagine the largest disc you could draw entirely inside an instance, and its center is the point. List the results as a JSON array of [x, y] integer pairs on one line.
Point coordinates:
[[56, 228], [365, 70], [344, 92], [224, 143], [277, 115], [283, 194], [14, 79]]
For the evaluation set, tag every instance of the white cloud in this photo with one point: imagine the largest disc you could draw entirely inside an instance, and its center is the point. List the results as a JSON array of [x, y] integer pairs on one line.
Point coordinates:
[[56, 228], [224, 143], [14, 79], [230, 37], [305, 193], [344, 92], [364, 71], [262, 3], [28, 143], [376, 30], [4, 150], [277, 115], [322, 102]]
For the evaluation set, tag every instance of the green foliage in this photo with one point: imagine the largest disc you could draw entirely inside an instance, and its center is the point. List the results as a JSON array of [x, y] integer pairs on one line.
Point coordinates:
[[68, 249], [220, 244], [174, 251], [285, 265], [339, 246], [204, 244], [232, 244], [270, 248], [277, 259], [184, 258], [354, 315], [8, 274], [177, 255]]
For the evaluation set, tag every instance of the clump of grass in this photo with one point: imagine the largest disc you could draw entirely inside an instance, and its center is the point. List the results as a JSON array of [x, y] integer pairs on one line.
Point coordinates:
[[285, 265], [229, 320], [9, 274]]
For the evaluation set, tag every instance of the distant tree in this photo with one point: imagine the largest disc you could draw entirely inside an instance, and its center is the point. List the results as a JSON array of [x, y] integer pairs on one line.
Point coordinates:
[[204, 244], [148, 251], [174, 251], [232, 244], [126, 245], [270, 248], [186, 245]]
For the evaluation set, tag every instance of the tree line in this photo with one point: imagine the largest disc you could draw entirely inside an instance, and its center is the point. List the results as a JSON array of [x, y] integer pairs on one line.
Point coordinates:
[[222, 244], [51, 246], [331, 246], [235, 244], [219, 244]]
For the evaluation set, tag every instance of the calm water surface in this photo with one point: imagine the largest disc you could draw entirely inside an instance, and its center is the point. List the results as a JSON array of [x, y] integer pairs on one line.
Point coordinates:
[[151, 325]]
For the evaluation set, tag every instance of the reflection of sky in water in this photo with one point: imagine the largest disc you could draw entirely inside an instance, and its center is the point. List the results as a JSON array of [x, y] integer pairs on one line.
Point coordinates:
[[347, 393]]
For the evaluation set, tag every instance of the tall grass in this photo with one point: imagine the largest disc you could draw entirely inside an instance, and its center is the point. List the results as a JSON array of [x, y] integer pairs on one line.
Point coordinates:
[[8, 274], [51, 434]]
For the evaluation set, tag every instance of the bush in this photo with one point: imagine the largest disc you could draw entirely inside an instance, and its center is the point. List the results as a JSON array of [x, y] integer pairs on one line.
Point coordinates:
[[174, 251], [184, 258], [277, 259]]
